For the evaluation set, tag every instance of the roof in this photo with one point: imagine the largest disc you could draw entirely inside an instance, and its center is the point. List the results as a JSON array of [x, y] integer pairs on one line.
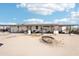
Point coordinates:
[[39, 24]]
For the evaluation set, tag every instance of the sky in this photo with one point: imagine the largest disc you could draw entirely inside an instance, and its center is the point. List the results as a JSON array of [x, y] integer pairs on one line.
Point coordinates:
[[20, 13]]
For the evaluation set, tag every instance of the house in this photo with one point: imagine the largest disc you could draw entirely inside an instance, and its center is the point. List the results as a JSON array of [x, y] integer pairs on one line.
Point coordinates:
[[37, 28]]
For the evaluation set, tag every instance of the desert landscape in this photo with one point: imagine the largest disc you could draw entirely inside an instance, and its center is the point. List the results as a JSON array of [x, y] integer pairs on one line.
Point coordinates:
[[20, 44]]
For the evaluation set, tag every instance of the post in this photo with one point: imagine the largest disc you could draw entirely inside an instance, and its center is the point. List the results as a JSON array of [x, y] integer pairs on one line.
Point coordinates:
[[18, 28], [70, 30], [56, 30], [42, 30], [29, 30]]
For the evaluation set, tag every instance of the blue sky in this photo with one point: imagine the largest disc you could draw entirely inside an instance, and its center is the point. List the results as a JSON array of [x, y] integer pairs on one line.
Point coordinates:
[[39, 13]]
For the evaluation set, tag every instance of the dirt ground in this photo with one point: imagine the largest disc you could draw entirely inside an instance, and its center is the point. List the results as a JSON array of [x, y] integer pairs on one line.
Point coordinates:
[[17, 44]]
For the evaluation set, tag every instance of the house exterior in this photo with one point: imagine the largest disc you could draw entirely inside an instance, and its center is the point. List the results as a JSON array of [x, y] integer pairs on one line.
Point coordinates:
[[37, 28]]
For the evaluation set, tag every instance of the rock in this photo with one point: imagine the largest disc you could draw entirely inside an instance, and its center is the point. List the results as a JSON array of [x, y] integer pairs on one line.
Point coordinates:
[[1, 44], [47, 39]]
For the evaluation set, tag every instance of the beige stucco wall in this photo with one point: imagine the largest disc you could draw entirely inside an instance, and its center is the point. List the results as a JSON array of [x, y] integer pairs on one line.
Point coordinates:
[[1, 27], [49, 28], [22, 28], [18, 29], [14, 29]]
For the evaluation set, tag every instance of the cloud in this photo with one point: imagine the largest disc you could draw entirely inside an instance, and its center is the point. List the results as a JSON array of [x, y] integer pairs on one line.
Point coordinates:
[[8, 23], [14, 18], [65, 21], [75, 17], [61, 21], [20, 5], [56, 21], [72, 19], [36, 21], [49, 8], [46, 8], [75, 14]]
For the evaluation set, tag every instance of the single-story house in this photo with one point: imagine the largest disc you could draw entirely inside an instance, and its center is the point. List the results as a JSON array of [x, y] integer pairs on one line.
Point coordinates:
[[37, 28]]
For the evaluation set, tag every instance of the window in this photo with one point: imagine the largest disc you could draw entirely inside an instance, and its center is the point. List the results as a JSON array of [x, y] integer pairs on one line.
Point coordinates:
[[36, 27]]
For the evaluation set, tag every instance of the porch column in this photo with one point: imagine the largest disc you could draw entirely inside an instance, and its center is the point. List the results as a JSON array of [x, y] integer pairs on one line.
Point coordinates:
[[51, 29], [18, 28], [56, 31], [41, 29], [70, 29], [29, 30]]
